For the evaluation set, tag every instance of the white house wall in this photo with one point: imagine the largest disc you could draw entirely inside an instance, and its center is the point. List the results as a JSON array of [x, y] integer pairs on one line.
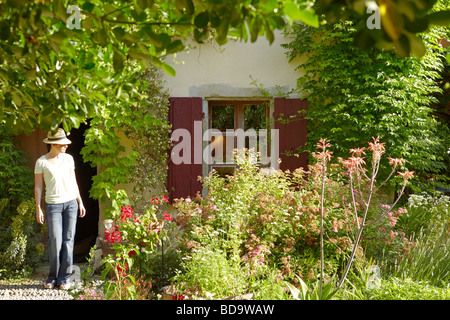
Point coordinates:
[[210, 71]]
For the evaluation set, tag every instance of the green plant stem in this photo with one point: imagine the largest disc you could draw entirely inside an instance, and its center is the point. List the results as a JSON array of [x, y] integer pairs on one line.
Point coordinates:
[[361, 228], [322, 258]]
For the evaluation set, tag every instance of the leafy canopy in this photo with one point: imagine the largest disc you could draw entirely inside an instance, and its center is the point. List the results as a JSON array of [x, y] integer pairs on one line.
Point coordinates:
[[61, 59]]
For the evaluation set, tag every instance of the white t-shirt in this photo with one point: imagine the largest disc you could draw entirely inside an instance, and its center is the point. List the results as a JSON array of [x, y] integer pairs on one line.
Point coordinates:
[[59, 182]]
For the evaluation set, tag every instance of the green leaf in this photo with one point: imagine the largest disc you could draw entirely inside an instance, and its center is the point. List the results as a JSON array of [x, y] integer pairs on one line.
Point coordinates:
[[168, 69], [118, 61], [88, 6], [269, 33], [152, 36], [4, 30], [89, 66], [200, 36], [175, 46], [31, 74], [119, 32], [279, 21], [202, 19], [185, 5], [441, 18], [307, 15]]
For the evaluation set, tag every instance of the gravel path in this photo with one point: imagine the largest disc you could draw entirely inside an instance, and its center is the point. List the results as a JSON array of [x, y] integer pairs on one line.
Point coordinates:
[[31, 289]]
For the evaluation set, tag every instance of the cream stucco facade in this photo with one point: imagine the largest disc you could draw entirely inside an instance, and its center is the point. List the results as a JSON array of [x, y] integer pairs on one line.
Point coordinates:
[[213, 71]]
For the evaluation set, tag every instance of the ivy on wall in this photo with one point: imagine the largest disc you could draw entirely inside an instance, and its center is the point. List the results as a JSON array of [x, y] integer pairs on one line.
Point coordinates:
[[354, 95]]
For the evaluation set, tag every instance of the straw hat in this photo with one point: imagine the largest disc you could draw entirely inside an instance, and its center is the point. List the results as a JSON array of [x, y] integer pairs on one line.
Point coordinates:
[[58, 138]]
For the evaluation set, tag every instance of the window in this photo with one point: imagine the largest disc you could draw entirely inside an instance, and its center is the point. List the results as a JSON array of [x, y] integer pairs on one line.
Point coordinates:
[[237, 125], [188, 114]]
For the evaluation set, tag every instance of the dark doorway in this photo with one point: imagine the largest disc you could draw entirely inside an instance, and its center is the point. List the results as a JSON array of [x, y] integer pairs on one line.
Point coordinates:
[[87, 227]]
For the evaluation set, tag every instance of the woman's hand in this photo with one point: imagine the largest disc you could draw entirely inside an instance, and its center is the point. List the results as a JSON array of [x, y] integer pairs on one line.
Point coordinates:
[[39, 215], [82, 210]]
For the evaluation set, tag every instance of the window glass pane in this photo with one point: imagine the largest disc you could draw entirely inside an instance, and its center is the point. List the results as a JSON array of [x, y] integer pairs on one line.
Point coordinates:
[[255, 117], [222, 117]]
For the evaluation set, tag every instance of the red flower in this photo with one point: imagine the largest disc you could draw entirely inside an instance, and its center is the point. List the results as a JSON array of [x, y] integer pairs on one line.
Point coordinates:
[[131, 253], [121, 271], [167, 217], [113, 236], [177, 297], [126, 212]]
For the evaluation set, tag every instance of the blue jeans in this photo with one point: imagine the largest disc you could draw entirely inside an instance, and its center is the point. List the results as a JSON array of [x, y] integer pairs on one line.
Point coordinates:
[[61, 223]]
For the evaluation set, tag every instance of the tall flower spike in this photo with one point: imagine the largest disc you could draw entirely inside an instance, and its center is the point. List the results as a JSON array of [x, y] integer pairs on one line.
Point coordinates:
[[323, 144], [324, 155], [357, 151], [396, 162], [406, 175], [352, 163], [376, 148]]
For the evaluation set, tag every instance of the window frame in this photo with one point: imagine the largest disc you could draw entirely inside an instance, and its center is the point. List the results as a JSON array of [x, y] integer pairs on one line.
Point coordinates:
[[239, 105]]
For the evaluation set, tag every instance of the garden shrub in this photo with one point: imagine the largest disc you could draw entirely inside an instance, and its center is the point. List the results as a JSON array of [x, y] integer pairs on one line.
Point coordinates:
[[20, 234], [16, 179], [426, 214], [142, 258], [427, 224], [407, 289], [23, 242], [266, 222]]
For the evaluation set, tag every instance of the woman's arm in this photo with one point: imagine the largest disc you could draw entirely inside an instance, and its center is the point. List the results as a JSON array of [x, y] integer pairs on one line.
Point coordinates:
[[80, 201], [38, 187]]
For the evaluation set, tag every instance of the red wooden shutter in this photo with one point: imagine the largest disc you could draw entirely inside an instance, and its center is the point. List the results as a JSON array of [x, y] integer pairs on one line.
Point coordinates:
[[292, 134], [182, 179]]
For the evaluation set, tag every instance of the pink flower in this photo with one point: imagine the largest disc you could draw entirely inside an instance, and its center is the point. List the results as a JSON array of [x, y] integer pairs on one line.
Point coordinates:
[[357, 151], [335, 229], [376, 146], [406, 175], [214, 207], [187, 200], [396, 162], [401, 210], [199, 211]]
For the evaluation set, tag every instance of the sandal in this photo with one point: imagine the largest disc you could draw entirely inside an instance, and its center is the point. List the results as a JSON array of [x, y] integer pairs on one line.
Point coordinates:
[[49, 285], [64, 286]]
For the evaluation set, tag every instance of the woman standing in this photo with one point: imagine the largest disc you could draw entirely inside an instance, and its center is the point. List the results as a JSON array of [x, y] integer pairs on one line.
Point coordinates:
[[56, 170]]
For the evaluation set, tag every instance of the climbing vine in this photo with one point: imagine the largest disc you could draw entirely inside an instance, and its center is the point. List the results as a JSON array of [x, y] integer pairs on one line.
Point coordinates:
[[128, 142]]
